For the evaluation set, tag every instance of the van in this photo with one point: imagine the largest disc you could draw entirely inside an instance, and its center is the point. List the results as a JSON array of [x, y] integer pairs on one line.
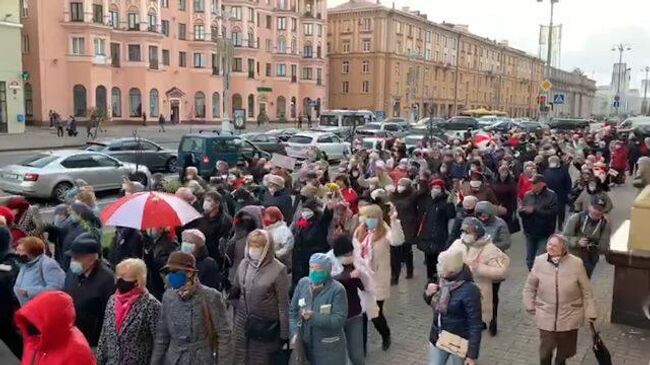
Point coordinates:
[[342, 122], [205, 148]]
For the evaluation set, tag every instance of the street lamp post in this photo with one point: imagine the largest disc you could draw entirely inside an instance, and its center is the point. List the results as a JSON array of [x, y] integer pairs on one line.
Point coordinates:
[[226, 49], [549, 50], [644, 105], [620, 48]]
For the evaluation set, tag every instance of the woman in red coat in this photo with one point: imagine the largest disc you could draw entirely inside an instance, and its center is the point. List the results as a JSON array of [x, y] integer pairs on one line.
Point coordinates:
[[619, 162], [50, 336]]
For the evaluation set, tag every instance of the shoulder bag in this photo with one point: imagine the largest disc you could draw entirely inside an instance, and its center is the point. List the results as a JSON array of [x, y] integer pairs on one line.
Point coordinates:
[[209, 323], [451, 343]]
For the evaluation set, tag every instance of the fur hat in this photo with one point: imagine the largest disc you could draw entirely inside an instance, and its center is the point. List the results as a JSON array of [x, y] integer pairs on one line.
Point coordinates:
[[469, 202], [450, 262], [276, 180], [476, 225]]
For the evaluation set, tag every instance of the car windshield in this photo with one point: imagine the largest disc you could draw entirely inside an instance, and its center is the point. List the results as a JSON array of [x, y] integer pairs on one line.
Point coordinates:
[[40, 160], [300, 139], [192, 144], [95, 147], [374, 127], [329, 120]]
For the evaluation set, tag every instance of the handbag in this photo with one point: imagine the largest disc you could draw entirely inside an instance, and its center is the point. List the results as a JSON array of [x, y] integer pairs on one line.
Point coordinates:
[[298, 354], [262, 330], [452, 344], [600, 350]]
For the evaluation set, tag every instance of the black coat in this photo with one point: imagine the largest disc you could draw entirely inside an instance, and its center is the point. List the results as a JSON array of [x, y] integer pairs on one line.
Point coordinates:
[[214, 229], [308, 241], [506, 193], [8, 302], [405, 203], [127, 242], [559, 180], [210, 274], [282, 200], [434, 228], [90, 295], [155, 256], [541, 222]]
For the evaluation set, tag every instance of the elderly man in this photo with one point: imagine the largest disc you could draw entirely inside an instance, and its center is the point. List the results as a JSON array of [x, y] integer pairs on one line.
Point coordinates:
[[538, 213], [210, 274], [215, 224], [187, 195], [278, 196]]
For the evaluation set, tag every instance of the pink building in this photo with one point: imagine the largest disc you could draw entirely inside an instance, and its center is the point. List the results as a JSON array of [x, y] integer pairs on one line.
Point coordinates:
[[135, 57]]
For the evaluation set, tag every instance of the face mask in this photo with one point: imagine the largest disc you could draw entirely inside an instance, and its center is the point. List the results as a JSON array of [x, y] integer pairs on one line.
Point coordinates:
[[76, 267], [255, 253], [372, 223], [307, 214], [176, 280], [272, 190], [401, 189], [346, 260], [187, 247], [592, 187], [318, 277], [468, 238], [443, 170], [435, 193], [58, 219], [355, 174], [553, 165], [188, 177], [475, 184], [207, 206], [124, 286]]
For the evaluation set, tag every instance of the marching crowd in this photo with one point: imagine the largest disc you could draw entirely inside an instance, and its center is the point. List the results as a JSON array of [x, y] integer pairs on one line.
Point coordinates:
[[289, 267]]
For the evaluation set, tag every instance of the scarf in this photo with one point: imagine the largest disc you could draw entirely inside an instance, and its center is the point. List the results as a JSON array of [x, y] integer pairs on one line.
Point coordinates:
[[187, 291], [366, 245], [123, 304], [442, 297], [303, 223]]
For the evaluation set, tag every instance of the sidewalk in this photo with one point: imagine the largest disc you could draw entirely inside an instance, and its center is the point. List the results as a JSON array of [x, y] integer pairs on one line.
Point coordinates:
[[38, 138]]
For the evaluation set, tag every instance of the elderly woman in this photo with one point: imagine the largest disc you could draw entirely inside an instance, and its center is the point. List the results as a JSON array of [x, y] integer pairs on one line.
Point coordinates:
[[26, 216], [559, 304], [38, 272], [318, 312], [280, 233], [210, 274], [130, 318], [262, 318], [193, 323]]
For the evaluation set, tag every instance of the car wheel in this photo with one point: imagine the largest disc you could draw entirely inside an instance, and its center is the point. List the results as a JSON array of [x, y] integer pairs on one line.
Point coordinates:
[[141, 178], [171, 165], [60, 190]]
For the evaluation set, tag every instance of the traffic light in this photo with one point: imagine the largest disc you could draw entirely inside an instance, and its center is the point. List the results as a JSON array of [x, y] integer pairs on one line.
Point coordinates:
[[542, 102]]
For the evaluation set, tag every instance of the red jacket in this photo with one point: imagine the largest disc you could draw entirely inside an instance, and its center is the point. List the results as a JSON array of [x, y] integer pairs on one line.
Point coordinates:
[[397, 174], [59, 342], [619, 159], [523, 186], [351, 197]]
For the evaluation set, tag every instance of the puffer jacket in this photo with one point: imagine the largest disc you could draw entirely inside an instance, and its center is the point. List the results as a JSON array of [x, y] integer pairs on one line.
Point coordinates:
[[496, 227], [541, 222], [559, 295], [463, 317]]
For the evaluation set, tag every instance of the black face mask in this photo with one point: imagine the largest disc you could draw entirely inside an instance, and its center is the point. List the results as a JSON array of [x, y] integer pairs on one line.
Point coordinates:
[[124, 286], [23, 259], [32, 330]]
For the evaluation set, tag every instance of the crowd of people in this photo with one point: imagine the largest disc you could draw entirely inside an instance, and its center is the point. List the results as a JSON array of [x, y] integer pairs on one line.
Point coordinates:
[[291, 266]]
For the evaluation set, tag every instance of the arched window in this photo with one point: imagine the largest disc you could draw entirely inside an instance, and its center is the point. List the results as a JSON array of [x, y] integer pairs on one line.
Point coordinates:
[[29, 100], [293, 107], [135, 103], [236, 101], [282, 45], [154, 104], [100, 98], [79, 100], [152, 20], [133, 18], [216, 107], [116, 102], [251, 106], [199, 104], [281, 107]]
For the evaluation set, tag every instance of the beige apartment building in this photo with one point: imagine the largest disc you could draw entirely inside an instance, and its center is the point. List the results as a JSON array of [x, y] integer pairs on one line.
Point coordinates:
[[398, 62]]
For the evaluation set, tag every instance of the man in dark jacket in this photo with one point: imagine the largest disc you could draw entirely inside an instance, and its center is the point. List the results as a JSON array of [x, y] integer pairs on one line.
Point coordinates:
[[90, 282], [215, 224], [127, 242], [405, 200], [558, 179], [8, 302], [81, 221], [538, 213], [278, 196], [159, 244], [210, 274], [433, 233]]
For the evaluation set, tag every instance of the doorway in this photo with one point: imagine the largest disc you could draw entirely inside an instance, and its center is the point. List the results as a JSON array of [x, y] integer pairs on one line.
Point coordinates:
[[175, 111]]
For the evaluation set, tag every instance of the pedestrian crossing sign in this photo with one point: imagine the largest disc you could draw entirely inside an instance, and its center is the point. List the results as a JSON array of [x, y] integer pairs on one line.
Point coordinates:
[[558, 99]]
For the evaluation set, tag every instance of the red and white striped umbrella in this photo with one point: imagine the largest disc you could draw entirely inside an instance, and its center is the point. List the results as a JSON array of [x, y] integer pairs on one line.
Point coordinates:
[[149, 210], [482, 140]]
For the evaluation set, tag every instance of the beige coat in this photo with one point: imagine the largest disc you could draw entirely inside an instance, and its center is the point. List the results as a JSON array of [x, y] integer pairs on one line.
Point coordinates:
[[488, 264], [568, 283], [378, 261]]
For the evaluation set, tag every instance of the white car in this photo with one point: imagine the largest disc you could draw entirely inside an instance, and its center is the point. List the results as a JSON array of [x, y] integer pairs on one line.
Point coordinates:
[[329, 143]]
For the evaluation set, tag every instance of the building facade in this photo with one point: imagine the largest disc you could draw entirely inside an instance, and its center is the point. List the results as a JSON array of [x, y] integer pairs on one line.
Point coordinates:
[[579, 94], [137, 58], [399, 63], [12, 116]]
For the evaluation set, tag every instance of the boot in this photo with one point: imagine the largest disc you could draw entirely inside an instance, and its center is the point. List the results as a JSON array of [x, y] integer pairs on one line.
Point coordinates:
[[493, 327], [385, 343], [394, 281], [409, 273]]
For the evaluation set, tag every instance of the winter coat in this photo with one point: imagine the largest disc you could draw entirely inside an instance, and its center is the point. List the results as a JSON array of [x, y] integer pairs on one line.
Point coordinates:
[[37, 276], [433, 230], [156, 254], [559, 180], [282, 200], [127, 242], [560, 296], [378, 260], [182, 336], [581, 225], [485, 193], [463, 317], [405, 203], [282, 242], [264, 298], [497, 228], [523, 186], [323, 333], [214, 229], [308, 241], [492, 266], [506, 193], [541, 222], [133, 343], [72, 229], [236, 247], [90, 293], [620, 159], [60, 342], [210, 274], [9, 269], [583, 202]]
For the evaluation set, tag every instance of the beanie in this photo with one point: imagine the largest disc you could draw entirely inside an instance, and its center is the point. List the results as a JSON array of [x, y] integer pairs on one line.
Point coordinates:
[[342, 246]]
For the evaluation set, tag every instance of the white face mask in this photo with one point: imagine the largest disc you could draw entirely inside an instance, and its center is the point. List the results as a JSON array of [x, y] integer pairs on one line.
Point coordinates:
[[475, 184], [207, 206], [592, 187], [435, 193], [255, 253], [553, 165], [187, 247], [307, 214], [468, 238], [401, 189], [346, 260]]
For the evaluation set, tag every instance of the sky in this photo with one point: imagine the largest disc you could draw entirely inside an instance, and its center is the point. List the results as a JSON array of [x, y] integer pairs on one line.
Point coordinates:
[[590, 28]]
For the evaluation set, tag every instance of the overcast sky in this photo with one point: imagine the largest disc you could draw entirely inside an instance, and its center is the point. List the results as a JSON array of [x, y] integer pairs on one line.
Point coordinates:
[[590, 28]]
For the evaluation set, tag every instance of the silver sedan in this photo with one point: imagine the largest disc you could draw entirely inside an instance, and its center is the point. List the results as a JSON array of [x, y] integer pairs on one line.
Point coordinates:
[[50, 175]]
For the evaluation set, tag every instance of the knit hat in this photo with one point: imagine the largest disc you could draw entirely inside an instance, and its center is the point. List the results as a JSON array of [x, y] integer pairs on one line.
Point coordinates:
[[309, 191], [437, 182], [180, 261], [485, 207], [193, 236], [323, 260], [404, 182], [84, 244], [450, 262], [469, 202], [476, 225], [276, 180], [342, 246], [274, 213]]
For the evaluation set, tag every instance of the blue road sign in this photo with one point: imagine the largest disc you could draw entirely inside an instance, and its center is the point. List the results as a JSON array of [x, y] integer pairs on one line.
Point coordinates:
[[558, 99]]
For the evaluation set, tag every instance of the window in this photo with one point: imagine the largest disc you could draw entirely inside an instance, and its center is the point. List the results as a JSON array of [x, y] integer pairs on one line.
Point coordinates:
[[79, 100], [294, 24], [398, 27], [281, 107], [115, 55], [100, 47], [199, 6], [236, 39], [98, 14], [236, 65], [347, 26], [116, 102], [182, 31], [281, 70], [251, 39], [214, 33], [308, 51], [216, 105], [307, 73], [182, 59], [135, 103], [319, 76], [24, 45], [294, 46], [251, 68], [345, 67], [181, 5], [365, 87], [164, 3], [366, 45], [268, 45], [282, 45], [24, 10], [78, 45], [153, 22], [345, 87], [153, 57], [346, 47], [165, 57], [365, 67], [29, 100], [134, 53], [215, 64], [268, 69], [199, 60], [113, 18], [199, 32], [199, 105], [251, 106], [269, 21], [154, 109], [251, 15], [294, 73], [76, 12], [164, 27], [236, 12], [214, 6], [366, 25], [133, 21], [282, 23], [308, 28]]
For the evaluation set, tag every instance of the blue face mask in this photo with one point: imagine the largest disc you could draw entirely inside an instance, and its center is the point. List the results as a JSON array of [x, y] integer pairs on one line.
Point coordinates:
[[58, 220], [176, 280], [372, 223], [187, 247], [318, 277], [76, 267]]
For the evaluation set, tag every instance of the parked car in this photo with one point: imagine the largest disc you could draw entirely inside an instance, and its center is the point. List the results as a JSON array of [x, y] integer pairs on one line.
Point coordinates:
[[51, 174], [416, 135], [565, 124], [396, 120], [638, 126], [267, 142], [283, 134], [502, 126], [137, 150], [531, 127], [488, 120], [425, 121], [376, 129], [205, 148], [455, 127], [330, 144]]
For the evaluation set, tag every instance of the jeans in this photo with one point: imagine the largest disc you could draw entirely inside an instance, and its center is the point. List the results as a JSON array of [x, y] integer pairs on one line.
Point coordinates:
[[354, 337], [534, 246], [440, 357], [589, 261]]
